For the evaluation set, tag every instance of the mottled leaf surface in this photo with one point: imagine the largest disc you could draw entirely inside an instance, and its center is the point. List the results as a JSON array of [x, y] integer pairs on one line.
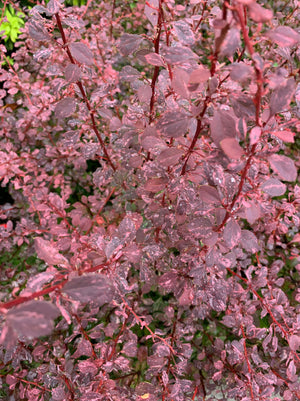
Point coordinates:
[[33, 319], [173, 124], [65, 107], [273, 187], [284, 167], [48, 252], [129, 43], [95, 288], [281, 96], [81, 53]]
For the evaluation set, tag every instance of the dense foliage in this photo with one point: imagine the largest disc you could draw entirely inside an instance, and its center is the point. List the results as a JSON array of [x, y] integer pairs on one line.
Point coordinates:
[[149, 158]]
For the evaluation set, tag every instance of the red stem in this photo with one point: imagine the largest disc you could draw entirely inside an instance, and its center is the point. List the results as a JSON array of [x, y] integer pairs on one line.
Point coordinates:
[[82, 91]]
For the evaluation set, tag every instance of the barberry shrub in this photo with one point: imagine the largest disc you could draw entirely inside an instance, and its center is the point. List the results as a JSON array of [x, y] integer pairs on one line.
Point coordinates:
[[151, 249]]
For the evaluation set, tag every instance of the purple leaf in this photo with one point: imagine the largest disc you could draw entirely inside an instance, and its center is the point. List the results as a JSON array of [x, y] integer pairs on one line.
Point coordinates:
[[173, 124], [284, 167], [47, 252], [155, 184], [249, 241], [179, 55], [273, 187], [222, 126], [81, 53], [154, 59], [37, 31], [231, 42], [65, 107], [169, 157], [72, 73], [129, 43], [243, 106], [281, 96], [33, 319], [294, 342], [184, 32], [240, 72], [231, 148], [129, 73], [53, 7], [284, 36], [209, 194], [151, 11], [180, 82], [95, 288], [232, 233]]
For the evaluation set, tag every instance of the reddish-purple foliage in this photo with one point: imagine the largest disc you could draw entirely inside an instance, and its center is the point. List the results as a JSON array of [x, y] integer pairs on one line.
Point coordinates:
[[170, 270]]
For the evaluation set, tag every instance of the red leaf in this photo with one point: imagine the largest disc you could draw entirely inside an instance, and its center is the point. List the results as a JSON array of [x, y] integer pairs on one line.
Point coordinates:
[[232, 233], [281, 96], [90, 288], [180, 82], [65, 107], [284, 167], [129, 73], [231, 148], [255, 134], [173, 124], [273, 187], [284, 36], [81, 53]]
